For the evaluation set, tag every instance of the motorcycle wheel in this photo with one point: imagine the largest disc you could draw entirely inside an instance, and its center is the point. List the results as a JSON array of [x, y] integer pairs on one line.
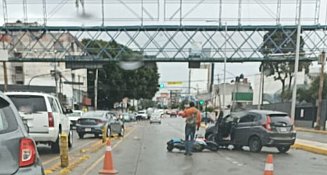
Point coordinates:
[[212, 146], [170, 148]]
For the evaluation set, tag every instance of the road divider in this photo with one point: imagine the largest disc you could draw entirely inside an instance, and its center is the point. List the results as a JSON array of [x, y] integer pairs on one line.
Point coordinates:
[[311, 130], [311, 147], [64, 158]]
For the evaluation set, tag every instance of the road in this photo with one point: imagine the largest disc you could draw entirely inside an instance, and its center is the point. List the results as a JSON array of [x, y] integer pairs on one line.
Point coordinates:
[[143, 152]]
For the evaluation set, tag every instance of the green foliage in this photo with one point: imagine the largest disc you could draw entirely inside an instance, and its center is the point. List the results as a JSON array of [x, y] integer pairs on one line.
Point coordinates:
[[115, 83], [310, 95], [132, 108], [278, 42]]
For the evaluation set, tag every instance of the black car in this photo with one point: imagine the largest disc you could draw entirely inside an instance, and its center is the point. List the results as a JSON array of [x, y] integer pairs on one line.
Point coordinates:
[[18, 152], [254, 128]]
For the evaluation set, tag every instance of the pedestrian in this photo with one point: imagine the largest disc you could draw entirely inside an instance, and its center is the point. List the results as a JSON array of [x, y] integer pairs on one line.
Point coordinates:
[[193, 121]]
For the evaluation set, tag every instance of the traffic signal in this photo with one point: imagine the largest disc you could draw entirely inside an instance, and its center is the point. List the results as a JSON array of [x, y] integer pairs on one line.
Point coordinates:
[[201, 102], [161, 85]]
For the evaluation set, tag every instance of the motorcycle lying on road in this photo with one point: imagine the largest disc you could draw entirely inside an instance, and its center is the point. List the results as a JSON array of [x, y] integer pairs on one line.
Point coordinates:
[[199, 145]]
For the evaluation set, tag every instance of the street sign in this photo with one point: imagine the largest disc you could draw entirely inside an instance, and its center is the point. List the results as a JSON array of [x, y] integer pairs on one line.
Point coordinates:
[[173, 83]]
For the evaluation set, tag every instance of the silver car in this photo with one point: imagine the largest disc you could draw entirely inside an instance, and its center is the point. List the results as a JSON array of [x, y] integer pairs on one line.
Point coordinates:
[[18, 153]]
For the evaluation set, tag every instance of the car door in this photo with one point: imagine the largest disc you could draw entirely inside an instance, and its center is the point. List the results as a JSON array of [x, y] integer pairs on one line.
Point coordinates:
[[65, 122], [33, 111], [243, 129]]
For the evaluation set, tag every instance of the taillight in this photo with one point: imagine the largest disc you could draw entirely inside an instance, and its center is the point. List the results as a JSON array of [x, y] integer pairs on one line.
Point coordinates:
[[27, 152], [267, 124], [50, 119]]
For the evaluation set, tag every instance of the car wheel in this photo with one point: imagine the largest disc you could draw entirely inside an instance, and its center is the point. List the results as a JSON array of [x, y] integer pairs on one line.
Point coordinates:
[[121, 134], [81, 135], [283, 149], [70, 139], [55, 146], [108, 132], [255, 144]]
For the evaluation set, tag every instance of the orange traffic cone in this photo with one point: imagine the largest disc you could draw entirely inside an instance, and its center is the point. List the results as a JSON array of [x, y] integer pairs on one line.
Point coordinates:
[[269, 166], [108, 167]]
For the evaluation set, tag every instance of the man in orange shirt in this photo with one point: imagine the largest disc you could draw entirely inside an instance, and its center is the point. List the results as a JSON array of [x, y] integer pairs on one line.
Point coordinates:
[[193, 121]]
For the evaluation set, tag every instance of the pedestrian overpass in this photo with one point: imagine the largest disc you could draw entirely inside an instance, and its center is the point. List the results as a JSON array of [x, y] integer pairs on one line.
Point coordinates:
[[161, 31]]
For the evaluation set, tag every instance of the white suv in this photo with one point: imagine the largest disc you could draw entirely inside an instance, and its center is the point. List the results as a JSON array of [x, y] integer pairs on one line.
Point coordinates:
[[44, 117]]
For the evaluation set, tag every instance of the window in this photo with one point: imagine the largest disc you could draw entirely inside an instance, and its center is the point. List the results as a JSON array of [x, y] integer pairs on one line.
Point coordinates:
[[19, 69], [8, 122], [248, 118], [19, 82], [29, 103], [53, 105]]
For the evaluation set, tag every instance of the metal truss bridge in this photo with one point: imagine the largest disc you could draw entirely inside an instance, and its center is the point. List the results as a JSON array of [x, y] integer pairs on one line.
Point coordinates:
[[161, 31]]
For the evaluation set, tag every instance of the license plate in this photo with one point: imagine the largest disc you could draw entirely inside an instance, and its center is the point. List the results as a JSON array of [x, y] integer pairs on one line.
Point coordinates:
[[88, 129], [283, 129]]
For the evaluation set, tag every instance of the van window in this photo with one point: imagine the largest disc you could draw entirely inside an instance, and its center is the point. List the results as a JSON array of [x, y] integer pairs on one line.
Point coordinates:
[[53, 104], [8, 121], [248, 118], [29, 103]]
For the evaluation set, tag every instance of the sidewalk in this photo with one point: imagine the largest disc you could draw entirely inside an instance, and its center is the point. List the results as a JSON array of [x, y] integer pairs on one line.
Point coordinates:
[[311, 140]]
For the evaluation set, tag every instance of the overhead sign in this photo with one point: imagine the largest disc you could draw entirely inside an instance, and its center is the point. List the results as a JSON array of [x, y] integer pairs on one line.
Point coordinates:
[[172, 83]]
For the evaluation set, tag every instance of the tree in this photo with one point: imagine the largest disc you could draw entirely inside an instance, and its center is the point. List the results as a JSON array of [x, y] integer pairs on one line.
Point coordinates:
[[282, 42], [310, 94], [114, 83]]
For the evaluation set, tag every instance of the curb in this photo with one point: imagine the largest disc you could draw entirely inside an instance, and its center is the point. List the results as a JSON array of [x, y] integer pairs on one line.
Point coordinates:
[[310, 148], [311, 130]]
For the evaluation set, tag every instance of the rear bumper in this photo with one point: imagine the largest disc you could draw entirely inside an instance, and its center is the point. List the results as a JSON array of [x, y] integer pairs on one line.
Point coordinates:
[[35, 170], [51, 136], [94, 129], [279, 139]]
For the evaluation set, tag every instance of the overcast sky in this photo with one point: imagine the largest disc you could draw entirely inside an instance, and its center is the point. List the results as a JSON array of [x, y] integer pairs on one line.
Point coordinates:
[[65, 13]]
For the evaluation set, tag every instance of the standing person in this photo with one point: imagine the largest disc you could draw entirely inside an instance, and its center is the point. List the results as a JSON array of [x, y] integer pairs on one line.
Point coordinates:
[[193, 121]]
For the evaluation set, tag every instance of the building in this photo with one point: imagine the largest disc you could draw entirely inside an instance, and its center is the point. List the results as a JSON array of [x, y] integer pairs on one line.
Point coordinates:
[[235, 93], [39, 45]]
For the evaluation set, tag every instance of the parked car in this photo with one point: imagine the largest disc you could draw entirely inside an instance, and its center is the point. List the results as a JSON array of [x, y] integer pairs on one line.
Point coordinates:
[[44, 116], [155, 118], [18, 150], [126, 117], [93, 122], [254, 128], [74, 116], [141, 115]]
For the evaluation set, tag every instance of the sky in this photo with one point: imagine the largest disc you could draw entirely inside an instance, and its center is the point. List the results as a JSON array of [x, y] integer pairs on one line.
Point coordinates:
[[65, 13]]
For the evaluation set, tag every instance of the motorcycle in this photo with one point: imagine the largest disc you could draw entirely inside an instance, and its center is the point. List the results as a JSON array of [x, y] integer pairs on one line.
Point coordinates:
[[199, 145]]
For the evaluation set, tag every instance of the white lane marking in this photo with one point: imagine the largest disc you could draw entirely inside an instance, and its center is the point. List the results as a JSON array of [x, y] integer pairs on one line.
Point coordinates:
[[233, 161]]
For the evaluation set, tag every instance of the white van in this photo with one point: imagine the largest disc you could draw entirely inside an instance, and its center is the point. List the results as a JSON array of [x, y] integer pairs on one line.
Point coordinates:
[[44, 116]]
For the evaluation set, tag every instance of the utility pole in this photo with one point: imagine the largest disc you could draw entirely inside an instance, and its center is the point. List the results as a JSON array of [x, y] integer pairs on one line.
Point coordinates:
[[321, 86], [296, 66], [96, 89], [5, 87]]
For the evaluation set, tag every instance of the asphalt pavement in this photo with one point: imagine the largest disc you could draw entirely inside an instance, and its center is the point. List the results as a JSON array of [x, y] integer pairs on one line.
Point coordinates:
[[143, 152]]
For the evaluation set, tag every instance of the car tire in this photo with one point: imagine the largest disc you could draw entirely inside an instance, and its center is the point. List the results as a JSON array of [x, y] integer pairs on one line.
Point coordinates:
[[55, 148], [81, 135], [108, 132], [255, 144], [70, 139], [122, 132], [283, 149]]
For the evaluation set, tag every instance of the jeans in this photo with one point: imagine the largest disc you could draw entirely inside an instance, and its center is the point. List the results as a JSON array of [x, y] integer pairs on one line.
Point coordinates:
[[189, 137]]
